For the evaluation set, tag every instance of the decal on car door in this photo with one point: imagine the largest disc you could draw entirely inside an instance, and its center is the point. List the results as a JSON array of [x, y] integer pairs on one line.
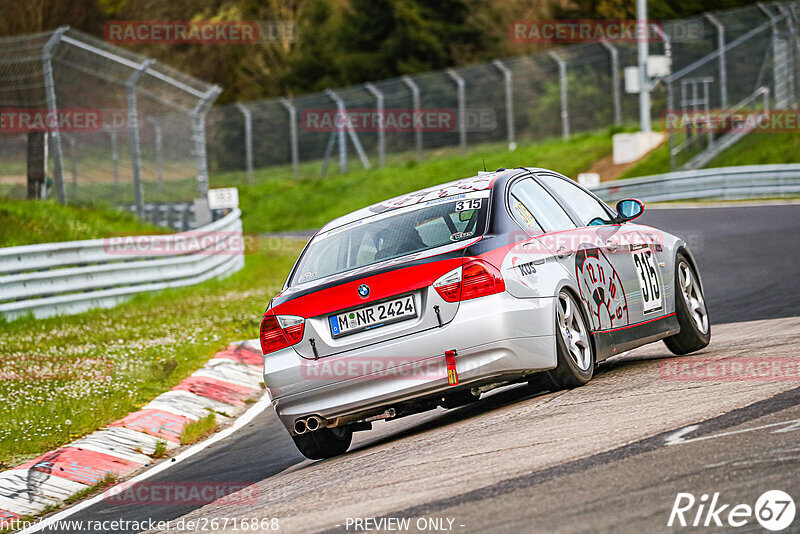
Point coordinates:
[[601, 288]]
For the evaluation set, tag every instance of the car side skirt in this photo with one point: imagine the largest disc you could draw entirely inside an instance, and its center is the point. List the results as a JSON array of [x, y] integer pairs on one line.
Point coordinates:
[[618, 340]]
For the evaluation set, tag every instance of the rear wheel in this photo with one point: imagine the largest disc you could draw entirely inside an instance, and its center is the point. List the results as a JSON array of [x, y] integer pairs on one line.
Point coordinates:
[[575, 355], [325, 442], [690, 309]]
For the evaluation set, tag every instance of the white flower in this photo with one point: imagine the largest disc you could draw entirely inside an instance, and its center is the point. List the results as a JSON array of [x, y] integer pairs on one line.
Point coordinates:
[[67, 422]]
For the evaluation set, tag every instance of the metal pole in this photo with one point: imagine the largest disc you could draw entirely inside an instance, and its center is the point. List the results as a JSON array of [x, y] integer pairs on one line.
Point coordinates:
[[644, 79], [723, 70], [52, 107], [199, 136], [562, 78], [615, 81], [340, 129], [133, 128], [248, 139], [670, 136], [790, 22], [115, 160], [415, 99], [462, 109], [775, 78], [287, 104], [73, 161], [381, 124], [349, 127], [159, 143], [507, 81]]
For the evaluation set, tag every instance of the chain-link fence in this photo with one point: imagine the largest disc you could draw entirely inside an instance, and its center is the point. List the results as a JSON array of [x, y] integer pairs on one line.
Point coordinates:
[[569, 89], [129, 130]]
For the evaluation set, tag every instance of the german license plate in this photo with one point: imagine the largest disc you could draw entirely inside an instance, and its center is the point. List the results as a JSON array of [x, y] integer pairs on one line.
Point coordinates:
[[374, 316]]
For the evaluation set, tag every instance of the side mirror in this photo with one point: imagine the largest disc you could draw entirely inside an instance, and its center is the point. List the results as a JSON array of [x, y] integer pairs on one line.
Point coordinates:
[[628, 209]]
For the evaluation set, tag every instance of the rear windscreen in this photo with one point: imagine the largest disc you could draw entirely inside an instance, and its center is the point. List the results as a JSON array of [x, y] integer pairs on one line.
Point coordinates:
[[393, 234]]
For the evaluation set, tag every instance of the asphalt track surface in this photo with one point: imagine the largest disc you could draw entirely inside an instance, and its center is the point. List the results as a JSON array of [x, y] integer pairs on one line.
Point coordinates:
[[602, 458]]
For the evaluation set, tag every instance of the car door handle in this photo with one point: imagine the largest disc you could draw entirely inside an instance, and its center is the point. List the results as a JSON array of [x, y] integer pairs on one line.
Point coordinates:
[[562, 252], [612, 245]]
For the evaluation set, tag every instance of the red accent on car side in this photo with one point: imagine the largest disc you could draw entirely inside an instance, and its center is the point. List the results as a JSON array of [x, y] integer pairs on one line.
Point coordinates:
[[382, 286]]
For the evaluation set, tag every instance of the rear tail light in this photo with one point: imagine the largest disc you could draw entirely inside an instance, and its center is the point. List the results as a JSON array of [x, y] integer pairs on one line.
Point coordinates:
[[280, 331], [477, 278]]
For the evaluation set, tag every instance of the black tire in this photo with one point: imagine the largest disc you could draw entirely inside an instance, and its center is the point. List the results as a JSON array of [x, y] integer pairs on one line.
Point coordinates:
[[568, 373], [324, 443], [691, 337]]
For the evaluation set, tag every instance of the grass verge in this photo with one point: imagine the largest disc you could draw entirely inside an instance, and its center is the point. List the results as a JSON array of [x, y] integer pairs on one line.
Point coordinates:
[[64, 377], [197, 430], [26, 222]]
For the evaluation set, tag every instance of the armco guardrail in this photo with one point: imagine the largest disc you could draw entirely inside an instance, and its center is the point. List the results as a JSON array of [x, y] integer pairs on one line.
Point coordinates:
[[74, 276], [751, 181]]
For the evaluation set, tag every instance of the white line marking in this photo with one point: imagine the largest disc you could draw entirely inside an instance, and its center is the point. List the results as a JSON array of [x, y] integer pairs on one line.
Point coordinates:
[[246, 418], [675, 438]]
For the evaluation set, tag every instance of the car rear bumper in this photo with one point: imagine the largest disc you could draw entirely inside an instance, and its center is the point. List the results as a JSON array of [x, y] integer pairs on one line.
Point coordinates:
[[498, 336]]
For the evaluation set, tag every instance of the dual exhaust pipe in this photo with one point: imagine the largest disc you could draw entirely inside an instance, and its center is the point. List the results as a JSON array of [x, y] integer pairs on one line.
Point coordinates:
[[309, 424]]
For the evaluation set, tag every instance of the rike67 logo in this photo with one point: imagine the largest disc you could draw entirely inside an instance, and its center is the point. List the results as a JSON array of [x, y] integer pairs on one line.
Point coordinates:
[[774, 510]]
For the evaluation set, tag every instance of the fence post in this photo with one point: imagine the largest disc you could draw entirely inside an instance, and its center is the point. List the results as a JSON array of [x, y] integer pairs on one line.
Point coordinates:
[[776, 78], [723, 69], [612, 50], [114, 160], [159, 142], [415, 99], [50, 91], [670, 135], [462, 110], [199, 136], [507, 81], [793, 48], [287, 104], [73, 165], [133, 128], [342, 140], [562, 80], [346, 125], [381, 124], [248, 139]]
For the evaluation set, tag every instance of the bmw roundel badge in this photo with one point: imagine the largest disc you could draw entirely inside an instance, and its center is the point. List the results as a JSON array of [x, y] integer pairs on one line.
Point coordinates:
[[363, 291]]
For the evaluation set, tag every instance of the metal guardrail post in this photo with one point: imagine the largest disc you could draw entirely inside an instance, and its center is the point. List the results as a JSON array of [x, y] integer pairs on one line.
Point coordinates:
[[50, 91], [723, 68], [617, 95], [289, 106], [415, 100], [776, 78], [199, 136], [159, 145], [248, 139], [379, 104], [793, 49], [507, 82], [562, 79], [462, 109], [133, 128]]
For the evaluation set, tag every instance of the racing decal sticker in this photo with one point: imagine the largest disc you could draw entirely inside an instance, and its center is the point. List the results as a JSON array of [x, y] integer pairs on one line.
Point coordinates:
[[601, 288], [477, 183], [472, 204], [460, 235], [649, 280]]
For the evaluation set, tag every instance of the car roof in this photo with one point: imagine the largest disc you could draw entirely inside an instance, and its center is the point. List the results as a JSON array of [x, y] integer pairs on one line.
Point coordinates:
[[481, 182]]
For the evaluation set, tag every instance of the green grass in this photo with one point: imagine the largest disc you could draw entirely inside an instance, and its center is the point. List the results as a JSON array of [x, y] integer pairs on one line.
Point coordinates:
[[197, 430], [64, 377], [277, 202], [26, 222], [753, 149]]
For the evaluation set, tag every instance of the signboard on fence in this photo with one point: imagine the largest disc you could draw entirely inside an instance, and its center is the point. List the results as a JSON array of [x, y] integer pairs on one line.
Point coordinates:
[[224, 198]]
